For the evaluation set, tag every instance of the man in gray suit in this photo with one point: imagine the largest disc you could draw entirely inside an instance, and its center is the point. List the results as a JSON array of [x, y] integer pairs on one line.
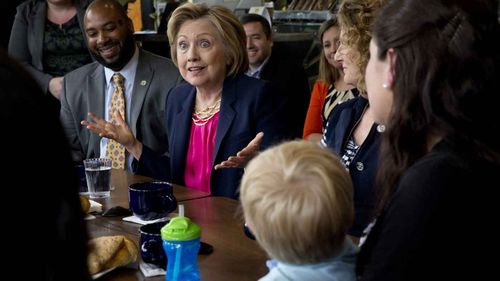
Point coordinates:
[[147, 80]]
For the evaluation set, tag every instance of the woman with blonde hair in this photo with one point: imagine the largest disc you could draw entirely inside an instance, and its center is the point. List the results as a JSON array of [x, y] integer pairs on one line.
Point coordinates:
[[219, 115], [330, 89], [351, 131]]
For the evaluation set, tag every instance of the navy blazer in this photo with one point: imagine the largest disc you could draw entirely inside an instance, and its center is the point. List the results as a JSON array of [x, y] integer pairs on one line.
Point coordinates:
[[363, 167], [247, 108]]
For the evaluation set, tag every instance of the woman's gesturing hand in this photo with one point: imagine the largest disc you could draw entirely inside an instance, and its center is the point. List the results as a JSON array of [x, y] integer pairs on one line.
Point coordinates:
[[243, 156]]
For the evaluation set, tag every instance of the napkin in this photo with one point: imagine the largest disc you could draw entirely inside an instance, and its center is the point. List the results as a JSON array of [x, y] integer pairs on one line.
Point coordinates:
[[89, 217], [138, 220], [99, 274], [94, 207], [150, 270]]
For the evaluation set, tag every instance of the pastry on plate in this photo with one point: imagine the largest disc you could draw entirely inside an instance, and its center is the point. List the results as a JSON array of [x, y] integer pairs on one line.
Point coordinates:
[[109, 252]]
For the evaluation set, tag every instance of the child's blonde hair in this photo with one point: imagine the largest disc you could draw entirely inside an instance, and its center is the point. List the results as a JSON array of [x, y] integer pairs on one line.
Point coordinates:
[[297, 200]]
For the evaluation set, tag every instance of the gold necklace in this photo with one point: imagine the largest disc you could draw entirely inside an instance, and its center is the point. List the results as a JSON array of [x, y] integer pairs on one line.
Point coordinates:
[[200, 116]]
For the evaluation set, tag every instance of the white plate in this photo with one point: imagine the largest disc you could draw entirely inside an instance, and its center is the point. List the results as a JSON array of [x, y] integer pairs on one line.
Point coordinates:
[[99, 274]]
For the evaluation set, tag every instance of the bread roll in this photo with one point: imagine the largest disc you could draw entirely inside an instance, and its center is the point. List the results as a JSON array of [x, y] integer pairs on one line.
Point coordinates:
[[110, 251], [84, 201]]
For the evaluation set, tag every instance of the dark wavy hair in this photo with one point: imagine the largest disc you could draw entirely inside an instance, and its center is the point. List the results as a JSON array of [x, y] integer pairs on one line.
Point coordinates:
[[446, 83]]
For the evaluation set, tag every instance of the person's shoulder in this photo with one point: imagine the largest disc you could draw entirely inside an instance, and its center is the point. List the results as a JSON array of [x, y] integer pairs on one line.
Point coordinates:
[[285, 61], [321, 84], [178, 94], [82, 3], [347, 108], [156, 60], [444, 167], [433, 179], [286, 73], [29, 6], [357, 103], [245, 79], [437, 161], [327, 270], [82, 72], [246, 84], [181, 88], [87, 68], [26, 5], [320, 90]]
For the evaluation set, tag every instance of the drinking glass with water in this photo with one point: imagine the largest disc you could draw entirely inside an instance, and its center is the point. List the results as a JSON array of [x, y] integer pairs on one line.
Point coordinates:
[[98, 173]]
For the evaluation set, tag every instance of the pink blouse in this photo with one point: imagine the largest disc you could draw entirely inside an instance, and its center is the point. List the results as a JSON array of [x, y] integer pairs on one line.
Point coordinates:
[[200, 155]]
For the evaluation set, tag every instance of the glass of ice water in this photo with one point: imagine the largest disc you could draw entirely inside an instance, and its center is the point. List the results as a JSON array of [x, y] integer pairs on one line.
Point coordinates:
[[98, 173]]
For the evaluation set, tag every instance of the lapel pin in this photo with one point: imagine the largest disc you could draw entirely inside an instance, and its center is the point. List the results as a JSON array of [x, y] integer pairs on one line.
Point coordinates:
[[143, 83]]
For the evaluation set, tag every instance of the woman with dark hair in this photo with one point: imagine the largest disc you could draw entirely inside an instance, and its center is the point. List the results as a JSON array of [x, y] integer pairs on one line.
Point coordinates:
[[330, 89], [47, 39], [433, 83], [44, 185]]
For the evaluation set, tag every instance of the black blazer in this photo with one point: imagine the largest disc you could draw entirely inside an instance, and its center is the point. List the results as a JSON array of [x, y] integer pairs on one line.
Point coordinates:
[[363, 167], [436, 225], [291, 88], [246, 109]]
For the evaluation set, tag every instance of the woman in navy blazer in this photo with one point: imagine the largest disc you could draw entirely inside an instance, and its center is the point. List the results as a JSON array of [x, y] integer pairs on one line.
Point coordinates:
[[351, 130], [217, 116], [363, 166]]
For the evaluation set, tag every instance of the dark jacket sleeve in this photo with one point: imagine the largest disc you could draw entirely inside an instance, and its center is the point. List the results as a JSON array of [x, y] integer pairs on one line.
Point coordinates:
[[26, 42], [153, 165], [20, 40]]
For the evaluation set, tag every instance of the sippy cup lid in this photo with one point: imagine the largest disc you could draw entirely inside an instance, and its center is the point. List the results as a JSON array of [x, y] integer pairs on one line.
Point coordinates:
[[180, 229]]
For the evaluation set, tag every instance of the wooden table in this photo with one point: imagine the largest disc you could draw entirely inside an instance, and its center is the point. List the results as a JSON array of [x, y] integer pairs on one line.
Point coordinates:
[[235, 257]]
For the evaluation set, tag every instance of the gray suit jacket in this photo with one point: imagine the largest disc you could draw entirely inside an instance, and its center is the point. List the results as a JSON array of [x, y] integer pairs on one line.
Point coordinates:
[[84, 91], [26, 37]]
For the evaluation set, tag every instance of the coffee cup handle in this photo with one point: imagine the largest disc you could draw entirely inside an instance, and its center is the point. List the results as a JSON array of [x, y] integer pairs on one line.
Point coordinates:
[[171, 199], [148, 246]]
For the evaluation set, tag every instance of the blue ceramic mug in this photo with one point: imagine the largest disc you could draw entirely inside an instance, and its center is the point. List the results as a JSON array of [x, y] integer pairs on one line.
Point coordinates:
[[151, 200], [151, 244]]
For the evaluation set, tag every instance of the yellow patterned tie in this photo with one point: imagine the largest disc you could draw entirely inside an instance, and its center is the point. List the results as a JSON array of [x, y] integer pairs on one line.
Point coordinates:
[[115, 150]]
